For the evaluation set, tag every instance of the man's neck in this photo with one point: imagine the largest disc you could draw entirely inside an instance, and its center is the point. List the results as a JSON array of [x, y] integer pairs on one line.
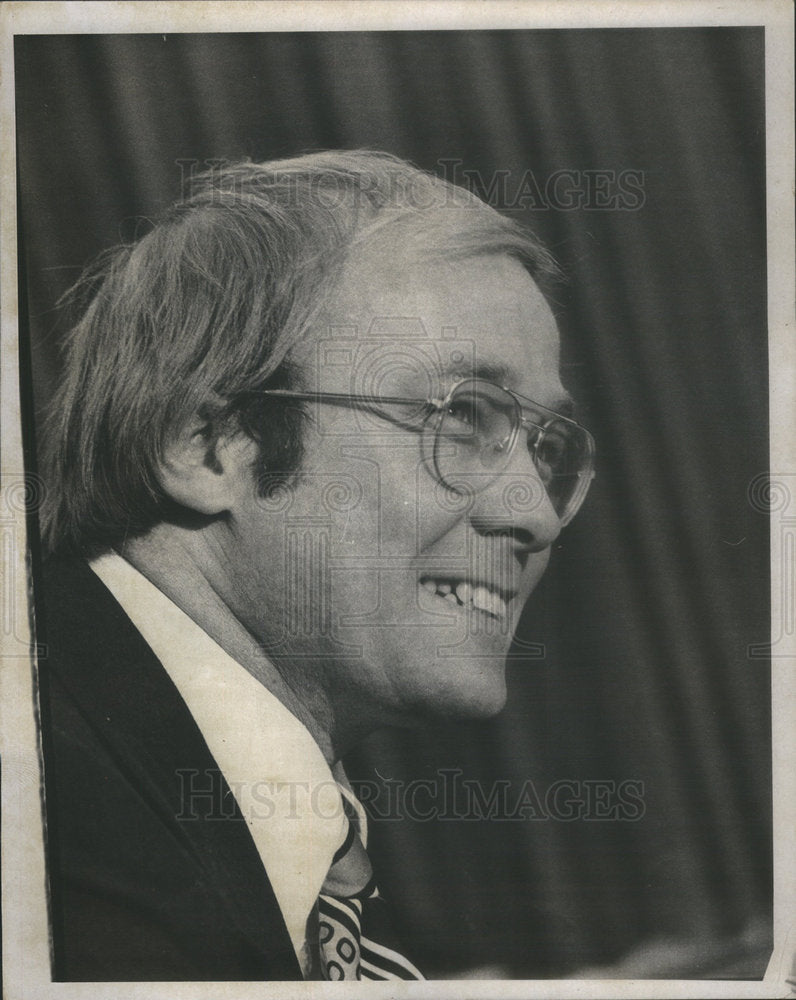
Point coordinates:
[[169, 558]]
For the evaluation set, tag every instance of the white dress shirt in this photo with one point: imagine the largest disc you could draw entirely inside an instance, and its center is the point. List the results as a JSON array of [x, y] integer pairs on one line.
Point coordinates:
[[283, 785]]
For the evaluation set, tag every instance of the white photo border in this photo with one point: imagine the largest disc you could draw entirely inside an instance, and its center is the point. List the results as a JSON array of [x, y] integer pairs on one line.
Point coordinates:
[[24, 924]]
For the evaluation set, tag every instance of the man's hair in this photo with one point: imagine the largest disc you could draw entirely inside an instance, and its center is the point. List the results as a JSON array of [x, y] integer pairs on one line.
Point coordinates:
[[203, 311]]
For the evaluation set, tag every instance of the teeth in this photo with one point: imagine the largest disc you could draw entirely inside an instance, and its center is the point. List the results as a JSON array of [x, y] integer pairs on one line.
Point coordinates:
[[465, 595], [486, 601], [481, 598]]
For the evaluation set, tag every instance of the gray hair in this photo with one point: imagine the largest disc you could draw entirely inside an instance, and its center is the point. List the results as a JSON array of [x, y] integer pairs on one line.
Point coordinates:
[[203, 311]]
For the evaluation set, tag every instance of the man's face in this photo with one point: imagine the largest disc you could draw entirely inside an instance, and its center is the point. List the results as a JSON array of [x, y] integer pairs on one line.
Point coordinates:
[[372, 586]]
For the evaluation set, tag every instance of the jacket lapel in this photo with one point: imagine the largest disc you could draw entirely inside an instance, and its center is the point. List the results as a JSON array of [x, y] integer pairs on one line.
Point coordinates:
[[136, 711]]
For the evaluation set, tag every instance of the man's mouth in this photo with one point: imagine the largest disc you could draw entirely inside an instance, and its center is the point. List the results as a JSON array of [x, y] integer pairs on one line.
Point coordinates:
[[470, 595]]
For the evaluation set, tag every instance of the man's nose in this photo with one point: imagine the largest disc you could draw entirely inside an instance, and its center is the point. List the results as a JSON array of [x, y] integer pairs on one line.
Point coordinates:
[[517, 504]]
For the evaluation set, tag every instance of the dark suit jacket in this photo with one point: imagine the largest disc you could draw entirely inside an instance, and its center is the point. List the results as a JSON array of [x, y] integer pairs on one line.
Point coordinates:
[[146, 882]]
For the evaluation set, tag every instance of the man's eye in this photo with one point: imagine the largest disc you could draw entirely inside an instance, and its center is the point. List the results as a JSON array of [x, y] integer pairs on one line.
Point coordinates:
[[551, 450], [462, 410]]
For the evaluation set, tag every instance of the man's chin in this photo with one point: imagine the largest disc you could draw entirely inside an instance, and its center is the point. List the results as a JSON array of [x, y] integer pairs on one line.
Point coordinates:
[[482, 698]]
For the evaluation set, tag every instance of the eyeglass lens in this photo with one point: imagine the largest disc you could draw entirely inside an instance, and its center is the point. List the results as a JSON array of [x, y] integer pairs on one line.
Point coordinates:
[[476, 433]]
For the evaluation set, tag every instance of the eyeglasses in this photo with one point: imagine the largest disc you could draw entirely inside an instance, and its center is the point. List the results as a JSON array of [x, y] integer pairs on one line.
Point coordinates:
[[471, 435]]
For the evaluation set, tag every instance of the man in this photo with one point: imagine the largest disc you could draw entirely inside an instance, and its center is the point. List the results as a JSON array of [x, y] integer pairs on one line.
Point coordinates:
[[313, 443]]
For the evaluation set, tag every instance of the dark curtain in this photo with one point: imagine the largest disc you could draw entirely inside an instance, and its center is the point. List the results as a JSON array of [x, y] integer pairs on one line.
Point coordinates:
[[638, 156]]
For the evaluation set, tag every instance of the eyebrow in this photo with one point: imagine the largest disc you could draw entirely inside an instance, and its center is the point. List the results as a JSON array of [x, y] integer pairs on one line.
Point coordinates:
[[495, 371]]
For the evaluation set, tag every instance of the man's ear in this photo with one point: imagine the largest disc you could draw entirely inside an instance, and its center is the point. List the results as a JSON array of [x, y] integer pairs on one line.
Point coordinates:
[[205, 467]]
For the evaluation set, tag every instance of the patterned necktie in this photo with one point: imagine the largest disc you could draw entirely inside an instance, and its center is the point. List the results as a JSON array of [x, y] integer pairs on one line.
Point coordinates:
[[356, 941]]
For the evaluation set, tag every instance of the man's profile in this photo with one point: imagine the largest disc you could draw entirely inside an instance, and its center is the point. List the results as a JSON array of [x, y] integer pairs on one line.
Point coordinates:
[[306, 464]]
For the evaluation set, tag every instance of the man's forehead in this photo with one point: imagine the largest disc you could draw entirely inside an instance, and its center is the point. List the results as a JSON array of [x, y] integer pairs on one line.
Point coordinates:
[[402, 276], [432, 323]]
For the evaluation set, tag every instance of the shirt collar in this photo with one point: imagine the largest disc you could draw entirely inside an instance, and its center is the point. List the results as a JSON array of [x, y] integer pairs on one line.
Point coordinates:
[[284, 787]]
